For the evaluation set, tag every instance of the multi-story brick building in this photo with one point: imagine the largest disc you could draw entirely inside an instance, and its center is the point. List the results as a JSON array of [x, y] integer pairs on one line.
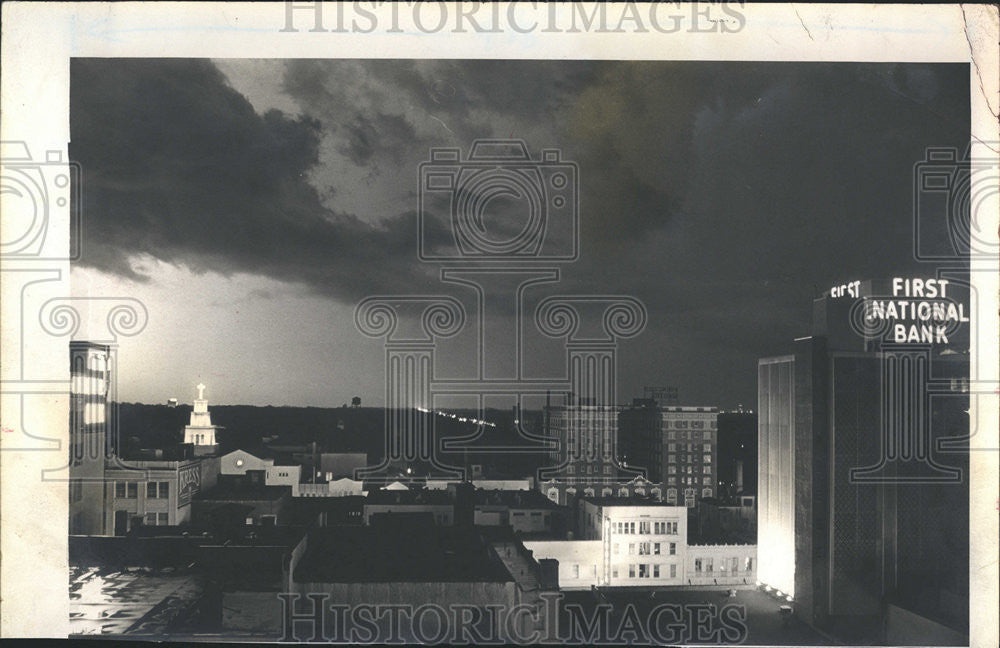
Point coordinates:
[[676, 446]]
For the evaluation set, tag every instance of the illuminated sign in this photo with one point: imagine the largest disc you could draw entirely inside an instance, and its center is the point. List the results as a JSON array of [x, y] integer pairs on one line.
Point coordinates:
[[920, 311]]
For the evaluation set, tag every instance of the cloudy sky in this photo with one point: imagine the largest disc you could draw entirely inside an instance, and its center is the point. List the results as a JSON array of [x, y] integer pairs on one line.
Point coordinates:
[[251, 204]]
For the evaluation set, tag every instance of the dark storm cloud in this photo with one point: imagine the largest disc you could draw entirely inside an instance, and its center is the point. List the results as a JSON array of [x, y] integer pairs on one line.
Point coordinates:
[[724, 195], [177, 165]]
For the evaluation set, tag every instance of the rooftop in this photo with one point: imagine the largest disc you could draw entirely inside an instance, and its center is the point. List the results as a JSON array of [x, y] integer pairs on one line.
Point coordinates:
[[409, 497], [514, 499], [607, 502], [385, 553], [243, 493]]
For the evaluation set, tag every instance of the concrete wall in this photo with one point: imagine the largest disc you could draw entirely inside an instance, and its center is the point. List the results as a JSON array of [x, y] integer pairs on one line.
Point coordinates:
[[283, 476], [904, 628], [230, 464], [776, 475], [717, 565], [580, 561]]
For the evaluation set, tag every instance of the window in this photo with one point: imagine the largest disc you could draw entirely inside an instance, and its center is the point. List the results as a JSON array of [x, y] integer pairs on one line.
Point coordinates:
[[606, 492], [671, 481], [607, 470], [644, 527], [734, 564], [671, 435], [673, 571], [614, 572], [571, 469], [631, 548], [150, 519], [708, 447], [631, 528], [673, 548], [707, 492], [622, 492], [697, 565], [708, 564], [708, 458], [656, 548], [120, 490], [643, 548], [671, 494], [671, 458], [656, 571], [706, 481], [672, 447], [643, 571], [747, 564], [631, 571], [157, 490]]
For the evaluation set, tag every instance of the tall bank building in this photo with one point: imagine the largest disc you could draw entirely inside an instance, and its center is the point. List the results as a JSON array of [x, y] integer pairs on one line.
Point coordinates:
[[863, 464]]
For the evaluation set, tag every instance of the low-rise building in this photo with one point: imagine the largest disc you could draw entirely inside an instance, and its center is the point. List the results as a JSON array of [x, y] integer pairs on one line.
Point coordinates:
[[630, 542], [438, 504], [260, 504], [155, 492], [525, 511]]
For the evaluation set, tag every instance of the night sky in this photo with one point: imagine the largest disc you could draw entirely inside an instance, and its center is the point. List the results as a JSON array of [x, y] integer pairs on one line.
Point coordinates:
[[251, 204]]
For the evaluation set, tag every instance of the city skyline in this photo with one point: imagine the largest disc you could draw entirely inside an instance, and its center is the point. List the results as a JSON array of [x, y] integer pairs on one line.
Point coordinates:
[[251, 234]]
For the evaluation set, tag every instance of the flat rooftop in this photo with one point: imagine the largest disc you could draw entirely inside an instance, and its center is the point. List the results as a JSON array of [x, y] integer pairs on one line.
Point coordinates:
[[628, 501], [387, 553]]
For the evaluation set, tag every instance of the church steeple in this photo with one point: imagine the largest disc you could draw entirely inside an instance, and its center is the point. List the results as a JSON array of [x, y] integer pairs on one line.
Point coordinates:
[[200, 432]]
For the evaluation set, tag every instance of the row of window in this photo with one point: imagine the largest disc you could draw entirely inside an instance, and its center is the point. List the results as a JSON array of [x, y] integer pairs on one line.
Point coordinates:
[[695, 435], [689, 481], [645, 527], [688, 493], [672, 458], [587, 469], [689, 469], [643, 570], [697, 424], [705, 565], [156, 519], [648, 548], [130, 490], [690, 447]]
